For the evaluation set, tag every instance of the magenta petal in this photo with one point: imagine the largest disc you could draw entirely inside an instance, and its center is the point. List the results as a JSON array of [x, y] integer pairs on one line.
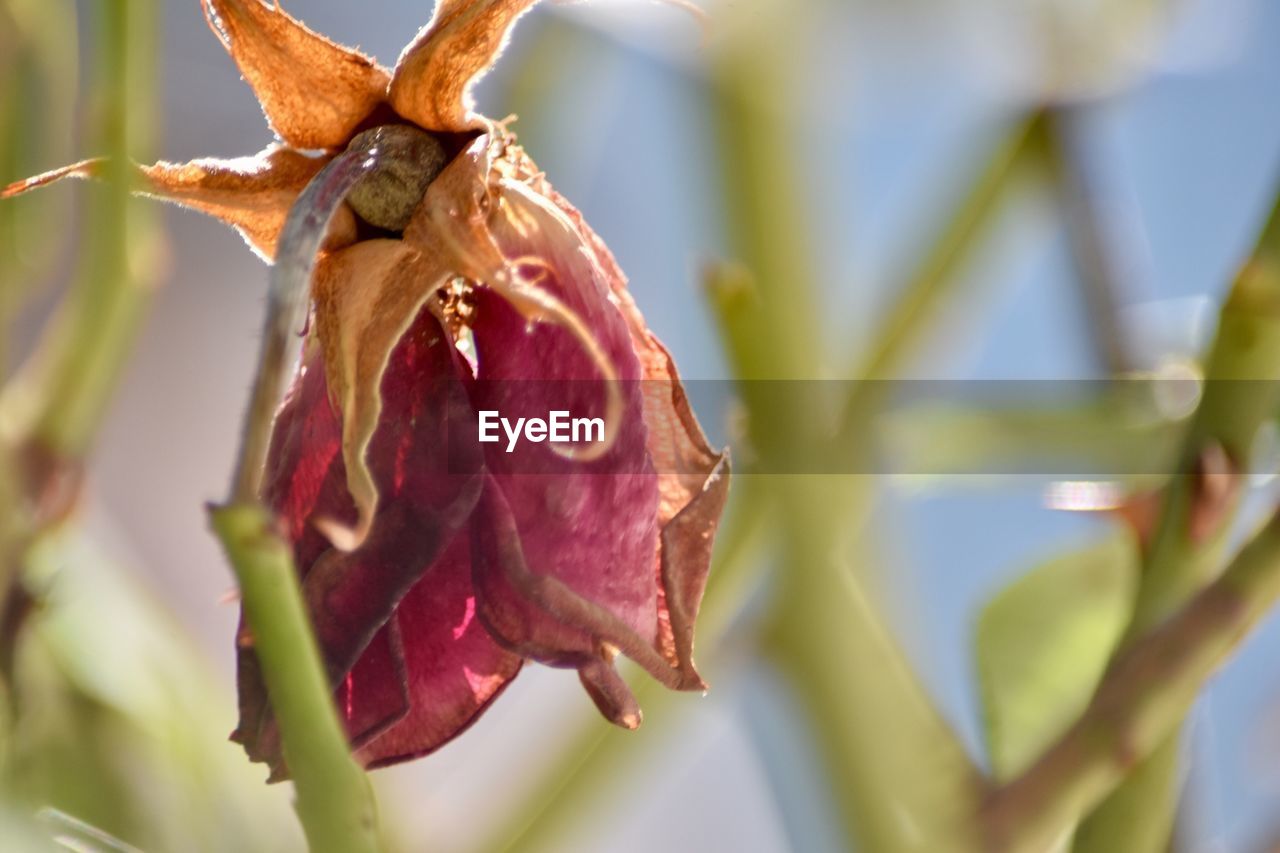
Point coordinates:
[[540, 616], [426, 465], [590, 525], [305, 444], [452, 669], [427, 474]]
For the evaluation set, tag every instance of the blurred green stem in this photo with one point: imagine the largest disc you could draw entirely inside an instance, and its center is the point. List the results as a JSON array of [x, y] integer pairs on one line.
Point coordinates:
[[878, 734], [1138, 706], [51, 410], [63, 393], [919, 297], [1241, 395], [39, 67], [334, 799], [899, 777], [1076, 186]]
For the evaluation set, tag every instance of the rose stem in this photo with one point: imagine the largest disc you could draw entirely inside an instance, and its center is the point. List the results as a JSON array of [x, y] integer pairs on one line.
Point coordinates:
[[335, 802]]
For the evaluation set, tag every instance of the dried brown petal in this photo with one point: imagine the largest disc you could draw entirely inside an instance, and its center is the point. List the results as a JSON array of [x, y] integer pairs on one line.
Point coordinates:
[[314, 92], [611, 694]]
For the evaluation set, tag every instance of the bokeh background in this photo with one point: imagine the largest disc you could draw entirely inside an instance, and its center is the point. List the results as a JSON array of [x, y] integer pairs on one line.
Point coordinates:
[[894, 106]]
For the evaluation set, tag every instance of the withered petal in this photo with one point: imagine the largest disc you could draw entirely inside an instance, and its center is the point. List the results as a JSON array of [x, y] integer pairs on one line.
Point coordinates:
[[503, 226], [611, 694], [693, 479], [685, 562], [681, 452], [252, 194], [451, 669], [538, 615], [432, 80], [423, 459], [366, 297], [374, 695], [313, 92]]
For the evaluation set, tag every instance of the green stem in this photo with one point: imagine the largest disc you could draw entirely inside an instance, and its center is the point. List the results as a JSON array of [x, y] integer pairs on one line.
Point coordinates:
[[334, 799], [877, 732], [967, 222], [39, 68], [51, 410], [900, 778], [1092, 249], [83, 354], [1138, 706], [1241, 394]]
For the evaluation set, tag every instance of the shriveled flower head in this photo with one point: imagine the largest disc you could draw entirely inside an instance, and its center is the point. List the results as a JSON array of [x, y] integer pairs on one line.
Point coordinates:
[[454, 280]]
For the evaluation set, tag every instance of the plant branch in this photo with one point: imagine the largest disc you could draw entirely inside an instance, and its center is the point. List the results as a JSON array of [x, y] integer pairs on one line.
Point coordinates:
[[1094, 248], [875, 727], [334, 799], [919, 296], [1141, 701], [50, 411], [61, 396], [1241, 394], [299, 244]]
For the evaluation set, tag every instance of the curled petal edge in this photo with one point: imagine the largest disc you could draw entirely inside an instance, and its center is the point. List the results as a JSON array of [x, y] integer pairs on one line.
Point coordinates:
[[560, 603]]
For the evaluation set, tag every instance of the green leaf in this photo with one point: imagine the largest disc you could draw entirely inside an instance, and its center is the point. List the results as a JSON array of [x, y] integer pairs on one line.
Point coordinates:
[[1044, 642]]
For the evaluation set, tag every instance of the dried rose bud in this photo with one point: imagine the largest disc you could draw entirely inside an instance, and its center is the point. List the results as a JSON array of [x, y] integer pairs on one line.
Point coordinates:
[[434, 565]]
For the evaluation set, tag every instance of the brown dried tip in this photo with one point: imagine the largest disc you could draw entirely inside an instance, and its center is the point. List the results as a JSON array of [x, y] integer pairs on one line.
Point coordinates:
[[1214, 492], [313, 92]]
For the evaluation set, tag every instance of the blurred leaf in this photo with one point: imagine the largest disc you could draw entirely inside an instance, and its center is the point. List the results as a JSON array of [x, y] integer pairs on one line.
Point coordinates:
[[120, 723], [1044, 642]]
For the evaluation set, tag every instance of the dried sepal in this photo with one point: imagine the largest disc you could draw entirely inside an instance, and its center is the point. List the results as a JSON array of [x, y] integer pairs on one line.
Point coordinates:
[[313, 92], [84, 169], [366, 297], [252, 194], [684, 561], [432, 80]]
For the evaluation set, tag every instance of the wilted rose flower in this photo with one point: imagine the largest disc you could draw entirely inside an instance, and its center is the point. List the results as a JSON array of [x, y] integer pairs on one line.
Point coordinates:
[[456, 280]]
